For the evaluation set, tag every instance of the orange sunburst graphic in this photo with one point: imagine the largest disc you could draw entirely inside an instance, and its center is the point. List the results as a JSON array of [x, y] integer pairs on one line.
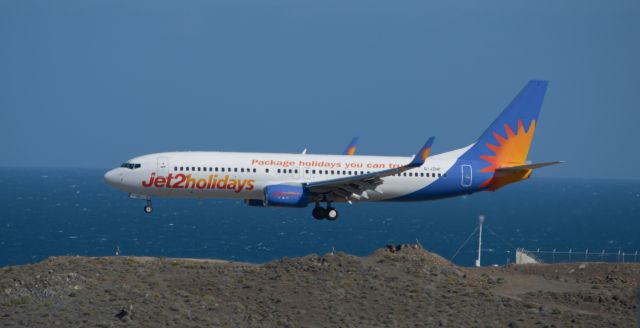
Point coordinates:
[[510, 151]]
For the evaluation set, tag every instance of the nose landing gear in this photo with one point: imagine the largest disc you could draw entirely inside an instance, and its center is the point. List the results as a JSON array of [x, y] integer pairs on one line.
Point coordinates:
[[148, 208], [329, 213]]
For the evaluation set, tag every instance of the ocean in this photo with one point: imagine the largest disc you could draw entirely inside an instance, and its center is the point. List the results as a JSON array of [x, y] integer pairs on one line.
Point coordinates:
[[53, 212]]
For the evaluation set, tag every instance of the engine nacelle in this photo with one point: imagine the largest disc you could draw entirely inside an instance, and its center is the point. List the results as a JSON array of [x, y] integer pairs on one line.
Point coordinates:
[[286, 196]]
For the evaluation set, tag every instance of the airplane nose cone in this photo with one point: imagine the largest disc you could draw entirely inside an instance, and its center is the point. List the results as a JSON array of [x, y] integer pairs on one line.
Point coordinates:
[[112, 177]]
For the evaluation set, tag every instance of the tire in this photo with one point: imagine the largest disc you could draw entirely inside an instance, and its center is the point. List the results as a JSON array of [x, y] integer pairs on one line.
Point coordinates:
[[331, 214], [148, 209], [318, 213]]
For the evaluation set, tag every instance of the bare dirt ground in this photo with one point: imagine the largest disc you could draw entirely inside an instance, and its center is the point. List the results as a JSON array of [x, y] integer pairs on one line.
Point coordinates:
[[407, 288]]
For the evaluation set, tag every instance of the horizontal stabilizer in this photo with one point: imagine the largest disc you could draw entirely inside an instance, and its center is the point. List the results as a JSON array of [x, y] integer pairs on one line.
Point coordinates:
[[527, 167]]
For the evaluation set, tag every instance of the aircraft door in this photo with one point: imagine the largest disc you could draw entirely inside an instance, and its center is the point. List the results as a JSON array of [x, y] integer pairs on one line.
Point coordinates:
[[163, 166], [467, 175]]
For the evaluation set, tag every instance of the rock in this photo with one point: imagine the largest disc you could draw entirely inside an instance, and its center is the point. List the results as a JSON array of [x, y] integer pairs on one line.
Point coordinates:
[[125, 314], [408, 288]]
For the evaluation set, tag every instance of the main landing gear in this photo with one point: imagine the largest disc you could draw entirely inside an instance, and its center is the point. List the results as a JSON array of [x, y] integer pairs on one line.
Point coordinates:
[[329, 213]]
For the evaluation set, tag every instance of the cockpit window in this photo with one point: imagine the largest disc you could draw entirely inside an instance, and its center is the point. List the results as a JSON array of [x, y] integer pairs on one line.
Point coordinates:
[[130, 166]]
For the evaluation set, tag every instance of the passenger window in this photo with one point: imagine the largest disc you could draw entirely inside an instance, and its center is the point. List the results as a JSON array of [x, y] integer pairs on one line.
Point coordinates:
[[306, 171], [439, 175], [326, 171], [235, 169], [296, 171], [266, 170], [187, 168], [242, 170], [181, 168], [254, 170], [313, 171], [278, 170], [333, 172]]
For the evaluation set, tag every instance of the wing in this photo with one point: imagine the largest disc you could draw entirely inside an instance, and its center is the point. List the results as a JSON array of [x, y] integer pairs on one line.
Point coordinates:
[[351, 148], [357, 186]]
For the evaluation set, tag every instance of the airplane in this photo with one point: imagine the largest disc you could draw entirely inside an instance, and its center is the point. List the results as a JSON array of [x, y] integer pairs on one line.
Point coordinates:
[[497, 158]]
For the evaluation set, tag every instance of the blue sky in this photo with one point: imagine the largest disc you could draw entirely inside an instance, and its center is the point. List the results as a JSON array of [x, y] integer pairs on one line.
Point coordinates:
[[92, 83]]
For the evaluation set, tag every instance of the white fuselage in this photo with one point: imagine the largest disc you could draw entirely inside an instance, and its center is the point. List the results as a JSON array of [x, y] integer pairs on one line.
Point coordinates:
[[245, 175]]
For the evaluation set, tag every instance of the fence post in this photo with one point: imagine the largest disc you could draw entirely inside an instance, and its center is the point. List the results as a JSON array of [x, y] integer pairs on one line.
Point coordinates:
[[619, 251], [585, 254], [554, 255], [569, 254]]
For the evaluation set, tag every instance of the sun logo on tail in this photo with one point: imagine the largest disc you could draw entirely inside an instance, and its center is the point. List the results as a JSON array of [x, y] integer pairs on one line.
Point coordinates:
[[510, 151]]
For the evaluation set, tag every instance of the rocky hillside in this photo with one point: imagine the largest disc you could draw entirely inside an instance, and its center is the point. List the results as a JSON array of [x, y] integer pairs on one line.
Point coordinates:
[[408, 287]]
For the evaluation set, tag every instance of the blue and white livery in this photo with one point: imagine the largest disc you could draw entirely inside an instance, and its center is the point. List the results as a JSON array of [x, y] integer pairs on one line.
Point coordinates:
[[497, 158]]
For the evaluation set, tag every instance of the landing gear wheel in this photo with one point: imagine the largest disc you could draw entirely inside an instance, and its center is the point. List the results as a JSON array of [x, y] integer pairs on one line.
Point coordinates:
[[331, 213], [319, 213], [148, 209]]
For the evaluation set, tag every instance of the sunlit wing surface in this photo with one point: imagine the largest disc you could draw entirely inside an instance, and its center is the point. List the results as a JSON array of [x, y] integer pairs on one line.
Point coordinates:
[[358, 186]]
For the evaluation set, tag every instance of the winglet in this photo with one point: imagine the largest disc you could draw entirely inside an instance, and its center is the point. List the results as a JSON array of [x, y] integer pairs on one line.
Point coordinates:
[[422, 154], [351, 148]]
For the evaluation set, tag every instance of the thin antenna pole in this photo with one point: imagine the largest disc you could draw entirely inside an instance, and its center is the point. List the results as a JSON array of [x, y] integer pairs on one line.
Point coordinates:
[[481, 221]]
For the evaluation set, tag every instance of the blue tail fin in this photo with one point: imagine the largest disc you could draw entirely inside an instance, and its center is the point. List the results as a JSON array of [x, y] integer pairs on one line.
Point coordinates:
[[507, 140]]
